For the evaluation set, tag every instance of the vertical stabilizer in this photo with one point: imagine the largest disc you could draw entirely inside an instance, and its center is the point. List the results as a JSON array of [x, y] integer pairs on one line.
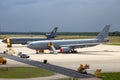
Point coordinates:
[[52, 34], [103, 35]]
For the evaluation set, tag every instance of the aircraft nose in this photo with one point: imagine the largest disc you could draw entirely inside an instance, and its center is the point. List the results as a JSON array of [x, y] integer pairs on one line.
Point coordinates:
[[4, 40], [30, 46]]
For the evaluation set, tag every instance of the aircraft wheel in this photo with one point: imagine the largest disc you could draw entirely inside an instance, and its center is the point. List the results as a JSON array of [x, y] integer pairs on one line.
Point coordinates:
[[37, 51], [3, 62], [73, 51]]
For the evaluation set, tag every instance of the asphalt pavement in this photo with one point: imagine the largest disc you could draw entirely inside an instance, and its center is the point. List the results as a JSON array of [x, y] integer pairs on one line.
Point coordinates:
[[65, 71]]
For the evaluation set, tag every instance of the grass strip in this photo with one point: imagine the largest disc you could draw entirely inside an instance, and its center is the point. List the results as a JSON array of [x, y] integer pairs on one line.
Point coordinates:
[[24, 72], [111, 76]]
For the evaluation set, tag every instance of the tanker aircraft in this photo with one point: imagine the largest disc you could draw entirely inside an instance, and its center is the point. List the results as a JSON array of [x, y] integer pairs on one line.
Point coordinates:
[[69, 46]]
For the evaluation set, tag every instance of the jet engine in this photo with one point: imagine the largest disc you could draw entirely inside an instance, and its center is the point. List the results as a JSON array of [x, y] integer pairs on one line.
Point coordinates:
[[65, 49]]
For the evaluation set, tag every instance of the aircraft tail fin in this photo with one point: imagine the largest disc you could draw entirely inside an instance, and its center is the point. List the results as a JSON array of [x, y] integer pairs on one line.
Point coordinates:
[[52, 34], [103, 35]]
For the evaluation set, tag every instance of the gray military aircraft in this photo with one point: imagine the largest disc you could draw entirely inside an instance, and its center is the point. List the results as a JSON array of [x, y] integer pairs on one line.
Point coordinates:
[[70, 45], [50, 35]]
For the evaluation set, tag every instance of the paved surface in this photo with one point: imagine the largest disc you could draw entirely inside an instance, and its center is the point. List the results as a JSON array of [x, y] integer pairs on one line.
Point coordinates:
[[105, 57], [58, 69]]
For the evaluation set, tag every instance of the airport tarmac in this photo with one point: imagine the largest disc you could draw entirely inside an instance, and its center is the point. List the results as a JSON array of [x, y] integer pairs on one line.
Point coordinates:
[[105, 57]]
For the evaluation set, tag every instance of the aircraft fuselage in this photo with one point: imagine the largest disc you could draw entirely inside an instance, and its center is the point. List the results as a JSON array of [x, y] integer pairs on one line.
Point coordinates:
[[60, 43]]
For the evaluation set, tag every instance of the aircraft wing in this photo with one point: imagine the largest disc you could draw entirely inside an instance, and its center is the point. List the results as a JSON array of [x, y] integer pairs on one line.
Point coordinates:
[[80, 45]]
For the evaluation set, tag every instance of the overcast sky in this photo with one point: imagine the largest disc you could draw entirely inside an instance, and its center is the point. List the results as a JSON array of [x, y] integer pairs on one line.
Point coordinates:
[[68, 15]]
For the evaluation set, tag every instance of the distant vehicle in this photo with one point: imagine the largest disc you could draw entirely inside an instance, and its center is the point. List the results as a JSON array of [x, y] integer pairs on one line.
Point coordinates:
[[23, 41], [21, 55], [24, 56], [2, 60], [71, 44]]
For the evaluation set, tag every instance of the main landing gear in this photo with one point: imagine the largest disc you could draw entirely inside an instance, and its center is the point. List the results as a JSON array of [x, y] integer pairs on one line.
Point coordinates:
[[39, 51], [73, 51]]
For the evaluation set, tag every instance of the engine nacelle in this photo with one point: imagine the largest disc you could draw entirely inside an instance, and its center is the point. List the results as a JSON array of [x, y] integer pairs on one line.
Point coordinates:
[[65, 49]]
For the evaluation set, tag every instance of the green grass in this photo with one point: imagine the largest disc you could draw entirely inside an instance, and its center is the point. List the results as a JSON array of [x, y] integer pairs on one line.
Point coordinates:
[[67, 79], [105, 76], [114, 39], [117, 44], [74, 37], [24, 72], [15, 35], [111, 76]]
